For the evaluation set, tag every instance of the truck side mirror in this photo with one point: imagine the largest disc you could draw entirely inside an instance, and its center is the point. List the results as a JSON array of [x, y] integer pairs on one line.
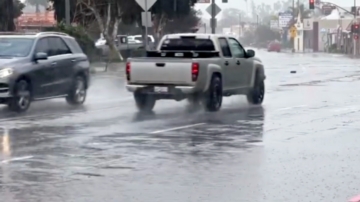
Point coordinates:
[[250, 53]]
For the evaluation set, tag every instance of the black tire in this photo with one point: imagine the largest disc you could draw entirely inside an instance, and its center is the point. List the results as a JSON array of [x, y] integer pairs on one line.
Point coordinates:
[[144, 102], [22, 97], [77, 94], [257, 94], [213, 97]]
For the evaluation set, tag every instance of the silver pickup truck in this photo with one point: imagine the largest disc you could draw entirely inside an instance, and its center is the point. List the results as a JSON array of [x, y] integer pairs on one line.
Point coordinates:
[[199, 67]]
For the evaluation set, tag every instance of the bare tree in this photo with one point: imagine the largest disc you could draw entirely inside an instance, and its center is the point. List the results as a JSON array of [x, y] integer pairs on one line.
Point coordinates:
[[107, 14]]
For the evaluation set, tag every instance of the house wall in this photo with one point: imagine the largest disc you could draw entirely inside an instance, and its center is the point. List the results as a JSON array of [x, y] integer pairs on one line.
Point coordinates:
[[330, 24]]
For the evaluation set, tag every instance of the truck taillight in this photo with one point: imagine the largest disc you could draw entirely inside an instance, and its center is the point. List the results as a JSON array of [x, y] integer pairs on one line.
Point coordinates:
[[128, 70], [194, 71]]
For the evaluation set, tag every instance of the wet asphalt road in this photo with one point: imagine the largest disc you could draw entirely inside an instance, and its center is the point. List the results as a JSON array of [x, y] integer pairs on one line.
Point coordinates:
[[301, 145]]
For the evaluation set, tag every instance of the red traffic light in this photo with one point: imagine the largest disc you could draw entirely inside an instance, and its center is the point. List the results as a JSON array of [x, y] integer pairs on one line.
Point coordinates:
[[311, 4]]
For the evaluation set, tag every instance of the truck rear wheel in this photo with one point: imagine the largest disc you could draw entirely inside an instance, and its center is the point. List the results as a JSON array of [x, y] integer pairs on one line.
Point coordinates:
[[144, 102], [257, 93], [213, 97]]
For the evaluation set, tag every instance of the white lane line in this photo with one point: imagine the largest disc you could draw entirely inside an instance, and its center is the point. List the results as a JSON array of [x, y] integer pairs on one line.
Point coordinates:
[[177, 128], [293, 107], [17, 159]]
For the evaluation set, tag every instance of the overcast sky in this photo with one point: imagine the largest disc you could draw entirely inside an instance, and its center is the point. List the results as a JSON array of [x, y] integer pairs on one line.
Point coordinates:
[[241, 4]]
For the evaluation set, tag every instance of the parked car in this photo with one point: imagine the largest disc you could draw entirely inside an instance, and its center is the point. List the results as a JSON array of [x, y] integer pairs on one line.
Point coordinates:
[[274, 46], [39, 66], [201, 68]]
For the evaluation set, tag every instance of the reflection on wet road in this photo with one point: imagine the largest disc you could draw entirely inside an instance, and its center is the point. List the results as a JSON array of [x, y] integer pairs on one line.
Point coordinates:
[[301, 145]]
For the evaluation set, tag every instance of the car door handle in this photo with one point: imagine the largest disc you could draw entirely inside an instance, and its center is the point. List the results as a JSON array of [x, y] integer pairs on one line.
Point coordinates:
[[238, 62], [226, 63], [53, 64]]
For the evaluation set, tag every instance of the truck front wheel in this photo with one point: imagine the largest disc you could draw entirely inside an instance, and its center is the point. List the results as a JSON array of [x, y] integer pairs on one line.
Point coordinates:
[[213, 97], [144, 102]]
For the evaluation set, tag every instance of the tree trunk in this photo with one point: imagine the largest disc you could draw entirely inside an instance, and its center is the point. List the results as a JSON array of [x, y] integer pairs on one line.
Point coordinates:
[[37, 6], [105, 30], [10, 16]]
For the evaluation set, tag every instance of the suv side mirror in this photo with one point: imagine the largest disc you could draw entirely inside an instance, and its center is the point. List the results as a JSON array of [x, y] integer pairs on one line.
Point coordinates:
[[41, 56], [250, 53]]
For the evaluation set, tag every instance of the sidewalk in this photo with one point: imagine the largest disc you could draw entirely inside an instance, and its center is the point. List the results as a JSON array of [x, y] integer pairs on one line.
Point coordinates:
[[100, 67]]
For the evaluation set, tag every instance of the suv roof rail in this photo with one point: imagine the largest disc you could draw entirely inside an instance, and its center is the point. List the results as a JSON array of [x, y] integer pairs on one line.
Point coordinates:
[[54, 33], [18, 33]]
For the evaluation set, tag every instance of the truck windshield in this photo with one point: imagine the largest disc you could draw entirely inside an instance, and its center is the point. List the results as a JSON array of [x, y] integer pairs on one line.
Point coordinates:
[[188, 44]]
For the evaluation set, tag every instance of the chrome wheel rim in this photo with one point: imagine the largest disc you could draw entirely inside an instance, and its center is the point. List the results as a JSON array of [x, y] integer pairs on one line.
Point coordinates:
[[23, 95], [80, 92]]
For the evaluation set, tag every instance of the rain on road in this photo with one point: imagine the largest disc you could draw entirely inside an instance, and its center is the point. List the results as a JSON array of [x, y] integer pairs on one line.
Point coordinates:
[[301, 145]]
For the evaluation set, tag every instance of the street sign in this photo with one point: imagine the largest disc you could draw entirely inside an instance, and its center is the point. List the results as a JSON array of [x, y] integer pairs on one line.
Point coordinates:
[[217, 10], [293, 32], [146, 22], [203, 1], [284, 19], [308, 24], [145, 3]]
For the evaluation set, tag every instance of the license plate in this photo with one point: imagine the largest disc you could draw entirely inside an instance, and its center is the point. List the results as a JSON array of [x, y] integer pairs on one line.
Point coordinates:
[[161, 89]]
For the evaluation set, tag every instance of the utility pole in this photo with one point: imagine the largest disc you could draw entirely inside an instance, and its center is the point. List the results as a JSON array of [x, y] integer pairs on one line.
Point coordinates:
[[293, 41], [213, 24], [146, 26], [67, 12], [355, 14]]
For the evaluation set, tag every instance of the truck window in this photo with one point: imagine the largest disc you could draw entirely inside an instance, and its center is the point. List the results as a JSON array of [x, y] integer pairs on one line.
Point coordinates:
[[236, 48], [188, 44], [225, 49]]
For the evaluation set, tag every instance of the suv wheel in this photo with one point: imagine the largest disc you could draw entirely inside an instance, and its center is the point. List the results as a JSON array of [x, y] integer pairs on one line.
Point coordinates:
[[144, 102], [257, 93], [77, 93], [22, 97], [213, 98]]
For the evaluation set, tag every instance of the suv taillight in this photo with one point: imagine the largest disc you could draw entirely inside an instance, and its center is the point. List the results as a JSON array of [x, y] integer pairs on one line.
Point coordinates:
[[128, 70], [194, 71]]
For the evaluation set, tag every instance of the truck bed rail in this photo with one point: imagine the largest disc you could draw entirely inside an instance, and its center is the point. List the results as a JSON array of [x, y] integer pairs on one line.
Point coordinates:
[[182, 54]]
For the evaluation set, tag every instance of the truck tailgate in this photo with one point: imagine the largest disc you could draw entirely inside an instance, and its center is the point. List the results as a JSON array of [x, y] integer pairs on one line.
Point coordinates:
[[148, 72]]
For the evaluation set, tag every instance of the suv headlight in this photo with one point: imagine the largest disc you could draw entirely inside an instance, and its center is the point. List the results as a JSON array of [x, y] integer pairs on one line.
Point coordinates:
[[6, 72]]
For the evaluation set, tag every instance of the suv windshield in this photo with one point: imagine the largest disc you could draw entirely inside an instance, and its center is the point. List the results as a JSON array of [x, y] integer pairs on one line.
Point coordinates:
[[188, 44], [15, 47]]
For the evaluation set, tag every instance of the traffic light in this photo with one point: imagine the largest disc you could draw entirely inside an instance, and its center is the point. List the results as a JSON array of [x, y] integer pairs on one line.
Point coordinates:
[[355, 28], [312, 4]]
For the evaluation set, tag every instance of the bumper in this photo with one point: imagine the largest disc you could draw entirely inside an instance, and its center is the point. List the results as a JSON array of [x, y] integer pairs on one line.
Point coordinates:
[[6, 85], [149, 89]]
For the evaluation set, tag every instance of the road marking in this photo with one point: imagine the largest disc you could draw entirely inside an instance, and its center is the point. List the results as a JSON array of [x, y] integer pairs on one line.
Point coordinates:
[[293, 107], [17, 159], [177, 128]]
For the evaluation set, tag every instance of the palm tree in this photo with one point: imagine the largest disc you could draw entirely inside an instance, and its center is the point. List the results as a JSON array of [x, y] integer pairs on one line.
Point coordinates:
[[304, 13], [37, 4]]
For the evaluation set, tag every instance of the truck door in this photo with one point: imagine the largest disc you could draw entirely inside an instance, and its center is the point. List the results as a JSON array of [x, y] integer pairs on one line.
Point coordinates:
[[242, 69], [228, 66]]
